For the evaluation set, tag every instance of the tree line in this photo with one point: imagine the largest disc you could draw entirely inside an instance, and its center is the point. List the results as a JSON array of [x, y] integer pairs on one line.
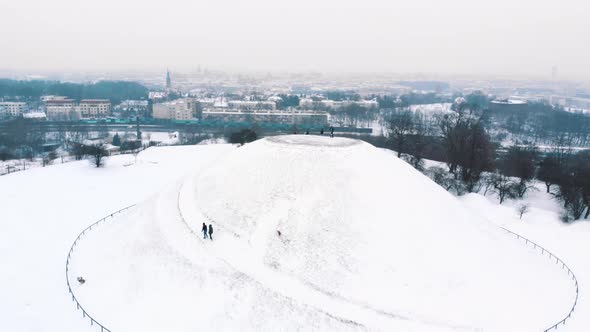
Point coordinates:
[[115, 91], [476, 164]]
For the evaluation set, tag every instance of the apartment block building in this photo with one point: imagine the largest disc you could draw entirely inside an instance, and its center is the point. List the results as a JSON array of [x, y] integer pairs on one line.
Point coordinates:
[[12, 108], [94, 108], [61, 109], [181, 109]]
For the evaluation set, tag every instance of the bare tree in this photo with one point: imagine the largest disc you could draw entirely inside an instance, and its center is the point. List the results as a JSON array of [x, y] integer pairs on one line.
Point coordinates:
[[574, 185], [504, 186], [549, 171], [78, 150], [468, 149], [135, 154], [98, 154], [520, 162], [400, 125]]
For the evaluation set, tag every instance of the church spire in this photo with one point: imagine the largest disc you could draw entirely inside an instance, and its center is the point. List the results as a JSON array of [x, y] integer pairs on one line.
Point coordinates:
[[168, 81]]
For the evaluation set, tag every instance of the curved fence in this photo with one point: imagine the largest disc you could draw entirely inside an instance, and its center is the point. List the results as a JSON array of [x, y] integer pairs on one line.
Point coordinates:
[[78, 305], [536, 246], [564, 266]]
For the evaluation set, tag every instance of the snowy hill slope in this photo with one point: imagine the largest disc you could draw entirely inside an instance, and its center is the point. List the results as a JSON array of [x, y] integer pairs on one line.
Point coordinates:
[[367, 243], [44, 209], [368, 229]]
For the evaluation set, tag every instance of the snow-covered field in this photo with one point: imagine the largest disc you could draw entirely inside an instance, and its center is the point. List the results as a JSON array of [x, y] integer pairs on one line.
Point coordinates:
[[44, 209], [367, 243], [431, 109], [541, 224]]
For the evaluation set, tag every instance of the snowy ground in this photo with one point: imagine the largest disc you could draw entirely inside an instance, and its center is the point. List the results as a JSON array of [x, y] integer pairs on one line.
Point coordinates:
[[367, 243], [44, 209], [432, 109], [542, 225]]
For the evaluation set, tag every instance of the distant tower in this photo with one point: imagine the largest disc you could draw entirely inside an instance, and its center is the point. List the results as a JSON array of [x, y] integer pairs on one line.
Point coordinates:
[[168, 81]]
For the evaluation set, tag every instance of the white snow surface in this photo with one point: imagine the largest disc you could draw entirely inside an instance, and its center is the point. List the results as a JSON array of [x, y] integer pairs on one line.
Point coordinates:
[[367, 243], [44, 209], [431, 109]]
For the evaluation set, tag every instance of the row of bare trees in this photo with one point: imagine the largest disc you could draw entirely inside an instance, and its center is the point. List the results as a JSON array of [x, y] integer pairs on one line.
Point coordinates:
[[465, 144], [569, 174], [475, 164]]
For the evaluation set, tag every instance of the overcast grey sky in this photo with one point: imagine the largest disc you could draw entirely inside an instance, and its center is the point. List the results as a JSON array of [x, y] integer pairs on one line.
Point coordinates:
[[506, 37]]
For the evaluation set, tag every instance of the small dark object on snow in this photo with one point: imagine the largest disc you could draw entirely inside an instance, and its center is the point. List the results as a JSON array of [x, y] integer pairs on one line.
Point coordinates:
[[81, 280], [322, 131], [204, 229], [211, 232], [307, 132], [279, 233]]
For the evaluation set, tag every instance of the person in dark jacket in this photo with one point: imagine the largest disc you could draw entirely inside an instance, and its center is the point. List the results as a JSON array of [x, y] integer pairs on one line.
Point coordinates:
[[211, 232], [204, 229]]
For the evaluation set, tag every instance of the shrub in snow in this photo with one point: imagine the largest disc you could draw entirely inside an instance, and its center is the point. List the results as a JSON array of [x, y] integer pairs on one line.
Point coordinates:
[[522, 209], [565, 217], [243, 136], [446, 180], [116, 140], [415, 161]]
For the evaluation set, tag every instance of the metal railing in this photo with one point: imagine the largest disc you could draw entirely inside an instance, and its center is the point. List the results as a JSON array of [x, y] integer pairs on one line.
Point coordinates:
[[564, 267], [78, 305]]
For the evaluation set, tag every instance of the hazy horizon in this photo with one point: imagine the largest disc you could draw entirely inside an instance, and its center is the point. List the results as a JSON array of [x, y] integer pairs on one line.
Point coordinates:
[[457, 37]]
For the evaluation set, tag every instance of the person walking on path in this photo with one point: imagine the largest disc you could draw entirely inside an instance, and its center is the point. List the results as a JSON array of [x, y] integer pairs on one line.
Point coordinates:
[[204, 229], [331, 131], [211, 232]]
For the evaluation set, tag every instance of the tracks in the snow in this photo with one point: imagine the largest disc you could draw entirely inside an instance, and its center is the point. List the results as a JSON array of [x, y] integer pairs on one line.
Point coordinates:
[[333, 305]]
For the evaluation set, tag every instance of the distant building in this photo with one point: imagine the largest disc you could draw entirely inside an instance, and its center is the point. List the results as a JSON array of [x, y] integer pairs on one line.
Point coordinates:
[[168, 80], [508, 105], [52, 97], [252, 105], [132, 107], [61, 108], [156, 96], [35, 116], [180, 109], [292, 116], [336, 104], [12, 108], [94, 108]]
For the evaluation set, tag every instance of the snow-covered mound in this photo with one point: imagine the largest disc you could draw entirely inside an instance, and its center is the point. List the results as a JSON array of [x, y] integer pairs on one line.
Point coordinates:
[[367, 243], [364, 228]]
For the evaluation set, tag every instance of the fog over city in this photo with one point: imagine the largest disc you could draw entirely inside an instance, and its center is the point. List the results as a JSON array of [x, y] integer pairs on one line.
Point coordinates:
[[495, 38]]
